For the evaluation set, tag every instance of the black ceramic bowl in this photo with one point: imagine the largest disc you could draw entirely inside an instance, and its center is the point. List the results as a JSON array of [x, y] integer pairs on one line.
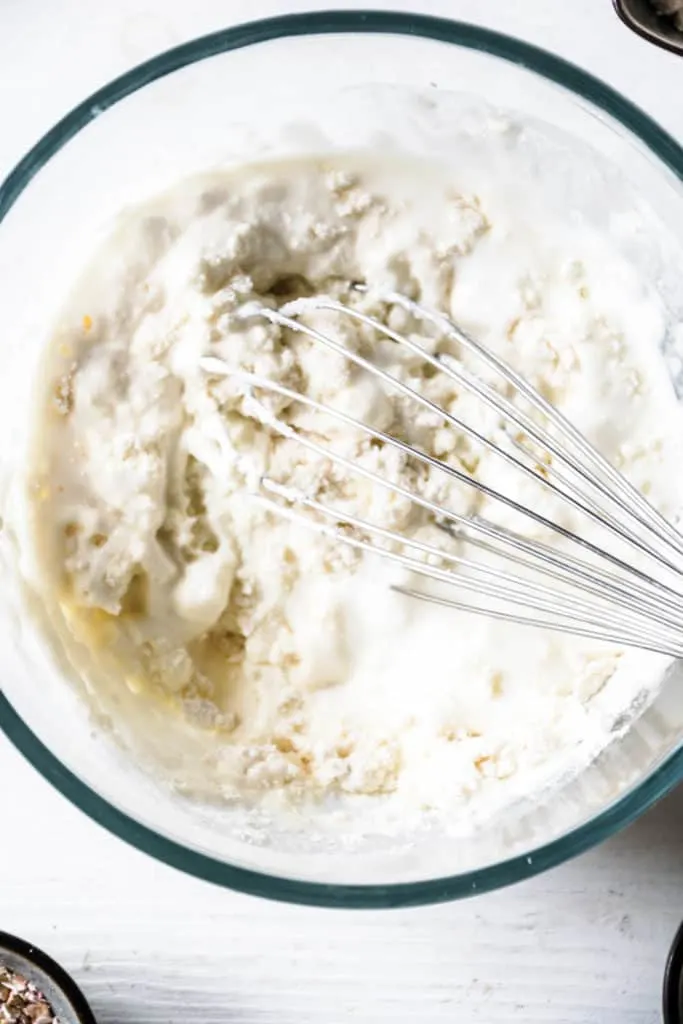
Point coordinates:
[[641, 16], [673, 982], [60, 990]]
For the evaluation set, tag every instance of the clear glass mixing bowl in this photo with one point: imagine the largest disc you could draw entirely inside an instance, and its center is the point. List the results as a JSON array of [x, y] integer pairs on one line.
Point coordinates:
[[321, 81]]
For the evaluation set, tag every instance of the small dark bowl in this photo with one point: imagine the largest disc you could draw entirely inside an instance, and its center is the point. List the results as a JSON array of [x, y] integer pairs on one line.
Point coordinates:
[[673, 982], [60, 990], [640, 16]]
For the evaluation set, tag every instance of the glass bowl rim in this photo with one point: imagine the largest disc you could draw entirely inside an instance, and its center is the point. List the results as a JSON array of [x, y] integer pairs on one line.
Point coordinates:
[[201, 865]]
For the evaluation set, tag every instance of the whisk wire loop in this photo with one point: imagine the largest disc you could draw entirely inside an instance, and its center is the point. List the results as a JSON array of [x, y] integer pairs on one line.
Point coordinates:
[[603, 596]]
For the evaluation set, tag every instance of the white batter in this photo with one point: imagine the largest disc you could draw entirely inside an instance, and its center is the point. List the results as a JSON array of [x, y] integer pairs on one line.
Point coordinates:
[[279, 664]]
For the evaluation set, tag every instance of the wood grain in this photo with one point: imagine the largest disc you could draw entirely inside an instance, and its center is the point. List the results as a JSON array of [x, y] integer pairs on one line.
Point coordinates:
[[584, 943]]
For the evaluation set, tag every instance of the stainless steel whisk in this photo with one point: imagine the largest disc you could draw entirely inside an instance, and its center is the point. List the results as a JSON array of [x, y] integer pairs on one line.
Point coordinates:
[[593, 591]]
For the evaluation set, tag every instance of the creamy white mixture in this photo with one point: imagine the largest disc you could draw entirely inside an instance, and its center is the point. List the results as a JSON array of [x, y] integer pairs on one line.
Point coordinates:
[[260, 662]]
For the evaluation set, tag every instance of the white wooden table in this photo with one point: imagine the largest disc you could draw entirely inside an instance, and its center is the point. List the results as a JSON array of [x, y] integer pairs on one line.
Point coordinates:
[[585, 943]]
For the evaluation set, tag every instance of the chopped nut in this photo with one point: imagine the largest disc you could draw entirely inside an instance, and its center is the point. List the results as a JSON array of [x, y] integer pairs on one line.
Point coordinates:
[[21, 1002]]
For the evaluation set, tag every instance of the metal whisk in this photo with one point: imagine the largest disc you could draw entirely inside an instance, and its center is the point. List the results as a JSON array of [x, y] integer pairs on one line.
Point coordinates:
[[581, 587]]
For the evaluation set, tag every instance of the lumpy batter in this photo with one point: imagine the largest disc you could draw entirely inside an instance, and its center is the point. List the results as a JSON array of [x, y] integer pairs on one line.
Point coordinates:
[[288, 671]]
